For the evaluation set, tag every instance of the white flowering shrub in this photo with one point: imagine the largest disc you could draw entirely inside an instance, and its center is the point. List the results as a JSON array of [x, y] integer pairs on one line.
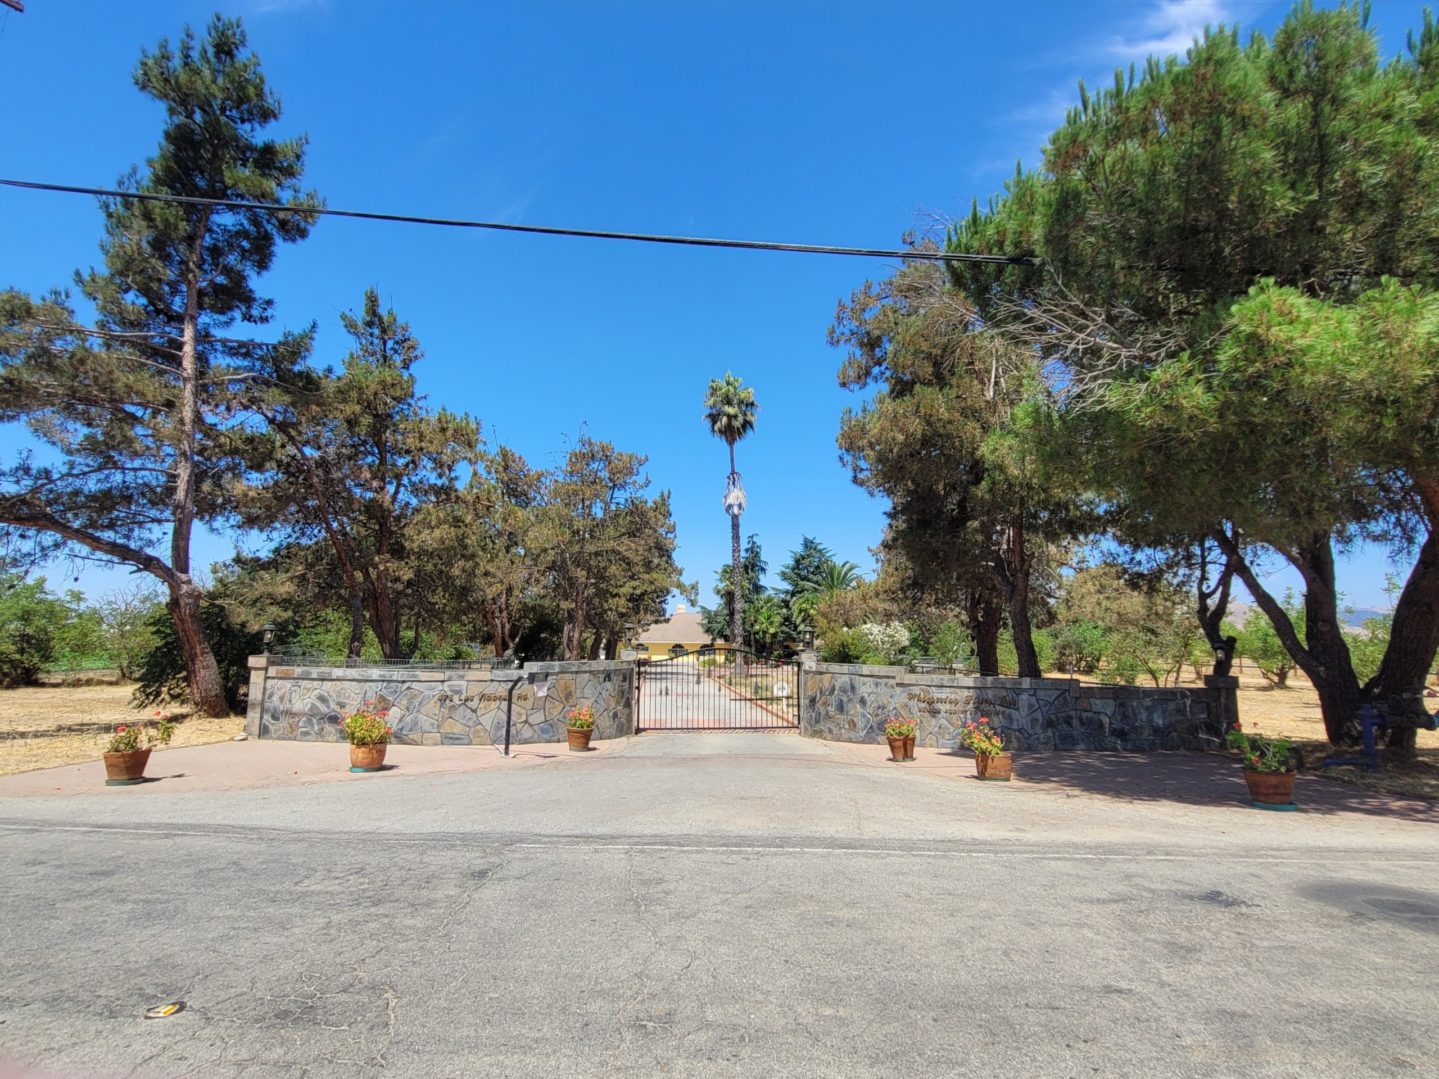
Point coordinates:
[[885, 641]]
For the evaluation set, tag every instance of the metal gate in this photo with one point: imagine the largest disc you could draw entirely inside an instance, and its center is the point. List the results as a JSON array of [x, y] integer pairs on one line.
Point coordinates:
[[715, 690]]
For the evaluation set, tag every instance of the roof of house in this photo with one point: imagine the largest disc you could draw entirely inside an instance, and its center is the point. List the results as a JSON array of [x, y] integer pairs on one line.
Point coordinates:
[[682, 627]]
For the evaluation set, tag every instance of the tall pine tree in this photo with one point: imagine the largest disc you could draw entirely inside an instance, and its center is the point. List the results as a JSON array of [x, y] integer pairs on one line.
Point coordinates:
[[145, 409]]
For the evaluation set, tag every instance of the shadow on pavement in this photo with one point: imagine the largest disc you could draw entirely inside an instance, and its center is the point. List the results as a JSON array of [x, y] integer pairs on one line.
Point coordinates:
[[1202, 779]]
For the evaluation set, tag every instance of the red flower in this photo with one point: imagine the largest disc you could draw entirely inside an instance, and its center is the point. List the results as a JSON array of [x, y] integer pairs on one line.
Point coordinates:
[[120, 729], [983, 720]]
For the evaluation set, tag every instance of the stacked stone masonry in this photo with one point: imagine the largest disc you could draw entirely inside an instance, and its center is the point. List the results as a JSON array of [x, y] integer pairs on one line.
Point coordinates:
[[837, 702], [441, 707], [845, 703]]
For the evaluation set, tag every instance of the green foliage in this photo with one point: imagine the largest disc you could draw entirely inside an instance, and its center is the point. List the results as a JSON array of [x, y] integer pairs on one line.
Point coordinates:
[[1261, 754], [945, 439], [844, 646], [162, 675], [142, 409], [1125, 628], [127, 618], [1258, 642], [899, 727], [981, 738], [884, 642], [30, 618], [1079, 647], [80, 641], [1234, 258], [367, 728], [730, 408], [1368, 643], [130, 737]]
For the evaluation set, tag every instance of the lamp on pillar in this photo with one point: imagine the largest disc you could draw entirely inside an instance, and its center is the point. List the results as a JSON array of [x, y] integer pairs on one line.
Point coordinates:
[[267, 635], [1223, 655], [808, 638]]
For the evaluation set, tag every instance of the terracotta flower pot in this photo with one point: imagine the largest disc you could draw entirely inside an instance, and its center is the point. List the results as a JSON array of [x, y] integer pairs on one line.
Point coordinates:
[[898, 749], [994, 765], [1270, 788], [126, 768], [909, 747], [579, 738], [367, 758]]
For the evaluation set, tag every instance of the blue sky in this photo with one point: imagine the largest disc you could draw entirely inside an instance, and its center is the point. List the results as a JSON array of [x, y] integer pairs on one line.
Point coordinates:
[[822, 122]]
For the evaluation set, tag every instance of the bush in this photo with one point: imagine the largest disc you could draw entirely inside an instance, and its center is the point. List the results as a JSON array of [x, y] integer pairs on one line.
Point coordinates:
[[1079, 647], [162, 670], [30, 617]]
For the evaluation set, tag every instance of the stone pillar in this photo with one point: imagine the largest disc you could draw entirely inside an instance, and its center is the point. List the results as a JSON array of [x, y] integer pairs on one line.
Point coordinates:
[[255, 701], [1227, 690], [807, 660]]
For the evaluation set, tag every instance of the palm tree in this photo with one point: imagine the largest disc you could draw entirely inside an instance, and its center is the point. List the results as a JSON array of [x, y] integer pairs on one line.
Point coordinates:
[[729, 411]]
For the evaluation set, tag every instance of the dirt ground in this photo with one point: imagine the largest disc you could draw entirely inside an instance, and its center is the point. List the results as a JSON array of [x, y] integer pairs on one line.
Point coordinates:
[[84, 716]]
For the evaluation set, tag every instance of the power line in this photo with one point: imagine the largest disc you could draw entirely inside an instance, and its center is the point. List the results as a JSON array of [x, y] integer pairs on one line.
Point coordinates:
[[544, 230]]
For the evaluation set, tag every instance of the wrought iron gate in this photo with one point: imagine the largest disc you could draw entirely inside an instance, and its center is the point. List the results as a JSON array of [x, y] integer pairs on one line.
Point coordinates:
[[716, 690]]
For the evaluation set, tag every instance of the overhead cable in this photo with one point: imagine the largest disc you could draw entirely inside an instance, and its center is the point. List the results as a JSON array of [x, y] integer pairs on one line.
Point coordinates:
[[544, 230]]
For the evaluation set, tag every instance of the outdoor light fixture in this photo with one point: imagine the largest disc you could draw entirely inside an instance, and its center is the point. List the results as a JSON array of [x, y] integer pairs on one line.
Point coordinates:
[[809, 637], [267, 634], [1221, 654]]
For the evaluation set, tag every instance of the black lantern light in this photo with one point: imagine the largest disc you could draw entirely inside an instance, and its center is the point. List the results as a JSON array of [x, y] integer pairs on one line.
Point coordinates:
[[267, 635]]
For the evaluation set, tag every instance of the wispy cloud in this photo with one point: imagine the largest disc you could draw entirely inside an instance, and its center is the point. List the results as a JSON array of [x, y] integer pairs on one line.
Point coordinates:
[[1170, 27], [272, 7]]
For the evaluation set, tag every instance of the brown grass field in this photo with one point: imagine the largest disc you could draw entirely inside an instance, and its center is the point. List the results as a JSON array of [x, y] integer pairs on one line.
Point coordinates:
[[47, 726], [38, 729]]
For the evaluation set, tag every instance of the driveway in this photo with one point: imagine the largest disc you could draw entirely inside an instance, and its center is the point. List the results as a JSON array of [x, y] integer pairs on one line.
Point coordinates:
[[732, 903]]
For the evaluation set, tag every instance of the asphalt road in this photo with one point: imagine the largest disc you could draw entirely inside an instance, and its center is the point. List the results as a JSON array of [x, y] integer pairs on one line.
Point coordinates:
[[712, 904]]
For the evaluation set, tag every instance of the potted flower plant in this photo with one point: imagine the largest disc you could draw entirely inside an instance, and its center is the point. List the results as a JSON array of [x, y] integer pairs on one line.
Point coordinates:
[[369, 736], [900, 733], [580, 727], [1270, 765], [129, 751], [991, 759]]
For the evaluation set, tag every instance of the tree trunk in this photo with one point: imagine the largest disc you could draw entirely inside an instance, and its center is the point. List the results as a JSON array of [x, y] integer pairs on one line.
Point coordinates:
[[737, 583], [1413, 640], [1212, 605], [385, 619], [207, 690], [357, 623], [1324, 654], [1014, 565], [985, 621]]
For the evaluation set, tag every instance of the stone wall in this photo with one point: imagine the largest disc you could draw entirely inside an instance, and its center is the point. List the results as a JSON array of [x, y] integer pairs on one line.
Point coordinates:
[[440, 707], [847, 703]]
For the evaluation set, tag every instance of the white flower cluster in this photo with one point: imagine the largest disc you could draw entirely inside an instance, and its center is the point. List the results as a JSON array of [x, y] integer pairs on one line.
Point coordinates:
[[887, 639]]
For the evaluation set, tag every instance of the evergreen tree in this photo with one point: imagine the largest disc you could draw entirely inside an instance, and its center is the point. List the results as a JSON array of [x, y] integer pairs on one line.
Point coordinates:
[[146, 407], [1202, 229]]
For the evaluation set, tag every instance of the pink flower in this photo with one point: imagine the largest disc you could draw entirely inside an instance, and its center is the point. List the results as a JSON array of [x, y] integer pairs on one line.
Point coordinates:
[[120, 729]]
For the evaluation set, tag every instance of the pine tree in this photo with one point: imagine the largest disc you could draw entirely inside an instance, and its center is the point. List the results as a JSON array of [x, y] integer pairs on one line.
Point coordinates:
[[146, 407]]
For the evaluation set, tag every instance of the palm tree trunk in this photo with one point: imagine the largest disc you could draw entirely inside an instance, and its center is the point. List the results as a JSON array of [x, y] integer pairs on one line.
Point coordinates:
[[737, 583]]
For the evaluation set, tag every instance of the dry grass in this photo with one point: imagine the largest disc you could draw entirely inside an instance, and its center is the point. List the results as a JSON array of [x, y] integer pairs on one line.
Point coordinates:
[[29, 716]]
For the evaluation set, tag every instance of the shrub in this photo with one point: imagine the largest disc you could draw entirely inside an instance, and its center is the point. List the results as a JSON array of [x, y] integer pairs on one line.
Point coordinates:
[[29, 618], [162, 673]]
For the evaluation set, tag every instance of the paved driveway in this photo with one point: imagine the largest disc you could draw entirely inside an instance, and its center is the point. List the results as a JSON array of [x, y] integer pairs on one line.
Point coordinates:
[[737, 904]]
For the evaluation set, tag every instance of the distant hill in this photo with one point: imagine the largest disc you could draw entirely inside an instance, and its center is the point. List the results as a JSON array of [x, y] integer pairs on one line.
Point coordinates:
[[1239, 612]]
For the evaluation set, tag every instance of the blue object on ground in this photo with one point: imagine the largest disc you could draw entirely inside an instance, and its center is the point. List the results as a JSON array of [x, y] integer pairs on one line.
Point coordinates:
[[1371, 718]]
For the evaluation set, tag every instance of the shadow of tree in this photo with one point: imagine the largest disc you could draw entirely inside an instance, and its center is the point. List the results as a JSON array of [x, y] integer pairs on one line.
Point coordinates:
[[1203, 779]]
